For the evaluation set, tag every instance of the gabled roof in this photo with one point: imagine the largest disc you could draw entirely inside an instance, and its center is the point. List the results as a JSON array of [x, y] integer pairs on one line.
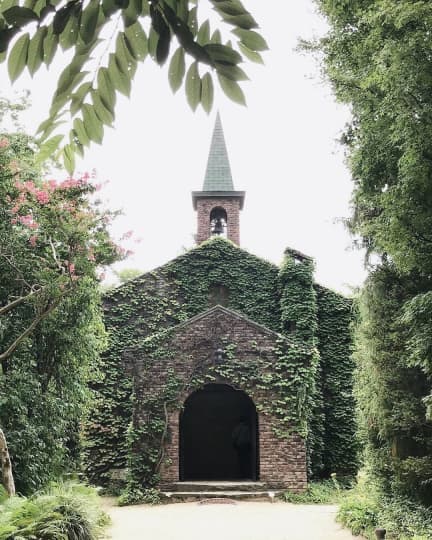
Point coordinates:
[[218, 173], [231, 313]]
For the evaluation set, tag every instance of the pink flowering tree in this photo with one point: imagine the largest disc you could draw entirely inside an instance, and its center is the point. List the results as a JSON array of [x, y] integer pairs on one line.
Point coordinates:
[[53, 235]]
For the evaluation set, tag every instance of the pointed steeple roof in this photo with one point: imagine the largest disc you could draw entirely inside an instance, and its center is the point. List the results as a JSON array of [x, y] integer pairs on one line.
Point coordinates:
[[218, 173]]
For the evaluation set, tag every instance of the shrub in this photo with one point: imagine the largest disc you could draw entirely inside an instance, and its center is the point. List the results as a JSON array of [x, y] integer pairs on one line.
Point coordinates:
[[134, 495], [323, 492], [63, 512]]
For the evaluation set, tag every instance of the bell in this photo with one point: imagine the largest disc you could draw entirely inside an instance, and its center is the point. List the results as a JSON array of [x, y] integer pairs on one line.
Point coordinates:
[[218, 227]]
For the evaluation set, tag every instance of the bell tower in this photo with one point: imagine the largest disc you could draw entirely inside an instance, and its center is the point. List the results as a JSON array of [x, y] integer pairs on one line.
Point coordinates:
[[218, 205]]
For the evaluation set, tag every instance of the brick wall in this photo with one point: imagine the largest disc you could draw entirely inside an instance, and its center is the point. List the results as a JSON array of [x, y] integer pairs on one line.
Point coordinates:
[[282, 461], [231, 207]]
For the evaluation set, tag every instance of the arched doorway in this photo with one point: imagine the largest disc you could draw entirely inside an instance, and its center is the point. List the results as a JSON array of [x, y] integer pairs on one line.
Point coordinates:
[[218, 435]]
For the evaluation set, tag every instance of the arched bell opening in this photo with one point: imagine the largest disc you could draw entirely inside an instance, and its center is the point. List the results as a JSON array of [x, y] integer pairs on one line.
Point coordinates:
[[218, 222], [219, 435]]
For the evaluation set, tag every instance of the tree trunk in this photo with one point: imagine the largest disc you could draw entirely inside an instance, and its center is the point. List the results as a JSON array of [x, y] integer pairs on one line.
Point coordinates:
[[6, 466]]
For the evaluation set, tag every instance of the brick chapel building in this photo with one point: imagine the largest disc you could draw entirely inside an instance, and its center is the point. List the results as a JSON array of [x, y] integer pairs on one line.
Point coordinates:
[[223, 366]]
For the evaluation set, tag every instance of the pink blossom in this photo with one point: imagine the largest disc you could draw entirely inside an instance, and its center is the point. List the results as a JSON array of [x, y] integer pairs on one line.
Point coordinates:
[[42, 197], [32, 240], [52, 185], [15, 209], [30, 187], [28, 221]]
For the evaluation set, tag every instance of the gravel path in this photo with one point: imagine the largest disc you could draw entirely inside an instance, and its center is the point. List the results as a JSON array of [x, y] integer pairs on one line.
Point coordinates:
[[240, 521]]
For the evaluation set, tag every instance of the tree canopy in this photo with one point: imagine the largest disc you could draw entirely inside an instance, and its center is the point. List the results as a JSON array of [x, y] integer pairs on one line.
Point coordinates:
[[377, 56], [108, 38]]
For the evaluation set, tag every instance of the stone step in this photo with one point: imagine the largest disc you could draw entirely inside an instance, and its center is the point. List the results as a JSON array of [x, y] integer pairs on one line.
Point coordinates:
[[211, 486], [234, 495]]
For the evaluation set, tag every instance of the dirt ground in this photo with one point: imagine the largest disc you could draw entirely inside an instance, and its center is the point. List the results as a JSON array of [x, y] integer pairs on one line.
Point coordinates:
[[240, 521]]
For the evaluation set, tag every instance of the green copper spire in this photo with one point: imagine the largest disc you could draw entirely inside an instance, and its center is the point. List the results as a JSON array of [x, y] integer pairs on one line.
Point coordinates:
[[218, 173]]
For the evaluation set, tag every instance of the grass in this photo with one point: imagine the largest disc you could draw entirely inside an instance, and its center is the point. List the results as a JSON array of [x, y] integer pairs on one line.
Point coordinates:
[[319, 492], [68, 511], [365, 508]]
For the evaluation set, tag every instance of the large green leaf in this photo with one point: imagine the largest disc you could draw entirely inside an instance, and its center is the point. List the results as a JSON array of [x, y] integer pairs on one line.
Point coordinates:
[[251, 55], [89, 19], [203, 35], [207, 92], [193, 86], [104, 115], [48, 148], [50, 46], [92, 124], [19, 16], [69, 158], [79, 96], [245, 21], [18, 57], [70, 34], [6, 35], [177, 69], [36, 50], [252, 40], [136, 40], [81, 132], [62, 17], [125, 60], [231, 72], [132, 12], [222, 53], [120, 80], [106, 89], [232, 90], [230, 8]]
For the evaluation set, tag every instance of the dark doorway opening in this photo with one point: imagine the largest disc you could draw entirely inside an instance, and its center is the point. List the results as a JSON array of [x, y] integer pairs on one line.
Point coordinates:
[[218, 435]]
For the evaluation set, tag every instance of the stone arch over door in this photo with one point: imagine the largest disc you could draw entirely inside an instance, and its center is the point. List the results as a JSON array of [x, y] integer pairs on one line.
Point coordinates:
[[218, 435]]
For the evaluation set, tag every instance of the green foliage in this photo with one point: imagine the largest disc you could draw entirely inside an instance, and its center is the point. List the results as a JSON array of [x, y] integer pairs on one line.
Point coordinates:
[[391, 390], [116, 34], [140, 315], [51, 241], [322, 492], [139, 496], [65, 511], [377, 56], [365, 508]]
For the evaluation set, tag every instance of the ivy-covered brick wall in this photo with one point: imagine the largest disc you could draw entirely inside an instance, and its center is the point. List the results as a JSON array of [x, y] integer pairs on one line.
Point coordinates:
[[217, 272]]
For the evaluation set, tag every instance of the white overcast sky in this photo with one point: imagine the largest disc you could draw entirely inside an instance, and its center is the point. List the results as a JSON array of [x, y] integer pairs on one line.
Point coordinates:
[[282, 147]]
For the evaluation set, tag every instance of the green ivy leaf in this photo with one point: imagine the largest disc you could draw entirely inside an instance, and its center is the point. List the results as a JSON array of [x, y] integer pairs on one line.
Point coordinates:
[[18, 57], [193, 86], [232, 90], [177, 69]]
